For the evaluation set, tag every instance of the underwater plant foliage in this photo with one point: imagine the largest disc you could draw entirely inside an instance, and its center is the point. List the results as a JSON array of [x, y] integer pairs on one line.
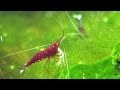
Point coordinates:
[[91, 50]]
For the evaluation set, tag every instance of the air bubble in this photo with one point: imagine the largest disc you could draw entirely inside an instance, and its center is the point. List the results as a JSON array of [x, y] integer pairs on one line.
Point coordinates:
[[4, 34], [105, 19], [12, 67], [21, 71]]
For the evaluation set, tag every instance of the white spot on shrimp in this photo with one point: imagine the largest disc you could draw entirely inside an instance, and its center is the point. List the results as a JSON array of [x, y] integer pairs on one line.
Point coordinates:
[[41, 49]]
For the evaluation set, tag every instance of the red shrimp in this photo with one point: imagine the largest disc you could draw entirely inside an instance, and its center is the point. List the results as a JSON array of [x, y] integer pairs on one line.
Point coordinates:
[[49, 52]]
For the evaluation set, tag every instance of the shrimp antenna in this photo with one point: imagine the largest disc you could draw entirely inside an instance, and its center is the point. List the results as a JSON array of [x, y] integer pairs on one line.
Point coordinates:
[[62, 37], [61, 25], [22, 51], [73, 24], [72, 21], [59, 22]]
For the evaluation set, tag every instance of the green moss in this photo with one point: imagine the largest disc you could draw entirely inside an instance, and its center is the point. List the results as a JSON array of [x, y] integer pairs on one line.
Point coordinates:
[[25, 30]]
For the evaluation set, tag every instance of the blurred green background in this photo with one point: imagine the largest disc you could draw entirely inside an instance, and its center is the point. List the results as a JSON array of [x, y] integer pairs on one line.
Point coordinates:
[[87, 57]]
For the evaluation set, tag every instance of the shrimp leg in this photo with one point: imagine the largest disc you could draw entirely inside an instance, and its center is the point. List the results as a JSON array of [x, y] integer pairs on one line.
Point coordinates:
[[60, 52], [47, 63]]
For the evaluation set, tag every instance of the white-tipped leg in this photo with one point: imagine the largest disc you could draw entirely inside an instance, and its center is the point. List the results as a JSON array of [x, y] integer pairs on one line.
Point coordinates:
[[61, 54]]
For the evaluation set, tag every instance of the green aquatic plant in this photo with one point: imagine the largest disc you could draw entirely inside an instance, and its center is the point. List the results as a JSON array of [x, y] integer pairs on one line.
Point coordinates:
[[100, 70], [22, 34], [103, 69], [116, 56]]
